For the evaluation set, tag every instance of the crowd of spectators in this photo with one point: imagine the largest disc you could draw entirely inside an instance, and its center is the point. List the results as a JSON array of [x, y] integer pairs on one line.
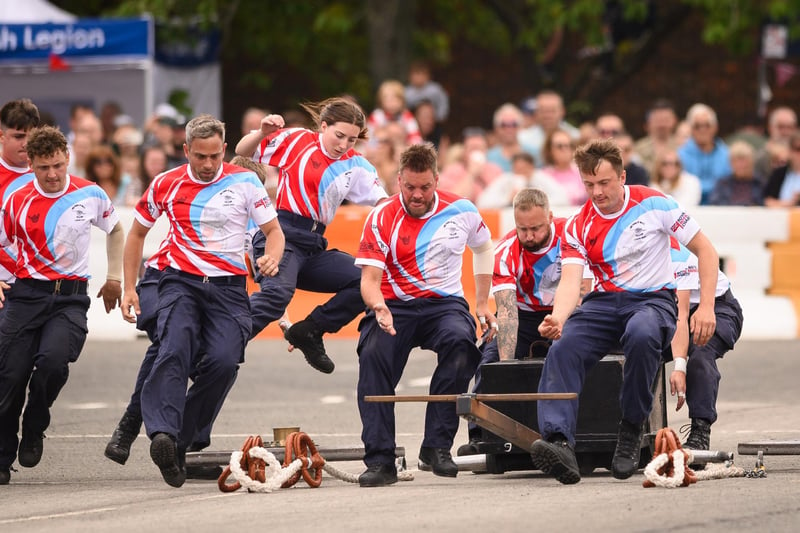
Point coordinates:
[[528, 145], [531, 145]]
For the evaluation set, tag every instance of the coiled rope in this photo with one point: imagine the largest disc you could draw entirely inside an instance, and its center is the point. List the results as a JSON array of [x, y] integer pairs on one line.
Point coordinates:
[[669, 465], [258, 470]]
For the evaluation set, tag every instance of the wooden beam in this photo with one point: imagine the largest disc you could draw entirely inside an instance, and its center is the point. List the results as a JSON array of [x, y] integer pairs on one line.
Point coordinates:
[[512, 397], [501, 425]]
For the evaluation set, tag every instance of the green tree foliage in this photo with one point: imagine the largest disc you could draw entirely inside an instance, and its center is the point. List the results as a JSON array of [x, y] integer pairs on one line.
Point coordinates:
[[326, 46]]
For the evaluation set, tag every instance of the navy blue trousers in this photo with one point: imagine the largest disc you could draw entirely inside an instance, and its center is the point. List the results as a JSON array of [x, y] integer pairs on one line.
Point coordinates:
[[702, 374], [146, 321], [307, 265], [442, 325], [527, 334], [642, 323], [41, 333], [194, 317]]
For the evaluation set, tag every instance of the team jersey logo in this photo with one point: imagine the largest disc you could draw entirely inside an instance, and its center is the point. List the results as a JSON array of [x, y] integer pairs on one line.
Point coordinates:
[[228, 197], [681, 222], [638, 230], [79, 211]]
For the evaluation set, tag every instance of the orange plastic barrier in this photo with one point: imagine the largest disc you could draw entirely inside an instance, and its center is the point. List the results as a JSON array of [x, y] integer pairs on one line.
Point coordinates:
[[785, 258], [344, 233]]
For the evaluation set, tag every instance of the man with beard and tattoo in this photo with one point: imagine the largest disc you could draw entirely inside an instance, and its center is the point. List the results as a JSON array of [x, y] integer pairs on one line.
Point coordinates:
[[527, 268]]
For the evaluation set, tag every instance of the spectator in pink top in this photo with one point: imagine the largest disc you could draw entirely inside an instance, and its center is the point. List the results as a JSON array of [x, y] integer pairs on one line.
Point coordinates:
[[557, 152], [466, 170]]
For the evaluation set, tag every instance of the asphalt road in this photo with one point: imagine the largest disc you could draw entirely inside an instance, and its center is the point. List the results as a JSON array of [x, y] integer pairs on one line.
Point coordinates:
[[75, 488]]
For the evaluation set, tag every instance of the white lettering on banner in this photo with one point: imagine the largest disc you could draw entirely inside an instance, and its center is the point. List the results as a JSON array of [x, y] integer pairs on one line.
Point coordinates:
[[59, 41], [8, 40]]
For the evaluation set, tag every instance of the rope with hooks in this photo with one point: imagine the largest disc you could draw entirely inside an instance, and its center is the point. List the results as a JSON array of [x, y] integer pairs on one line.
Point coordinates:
[[669, 469], [258, 470]]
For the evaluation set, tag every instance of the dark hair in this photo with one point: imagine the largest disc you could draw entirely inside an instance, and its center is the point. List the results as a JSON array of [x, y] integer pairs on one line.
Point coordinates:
[[662, 103], [19, 114], [74, 108], [419, 158], [525, 156], [45, 142], [338, 109], [589, 156], [99, 153], [419, 65]]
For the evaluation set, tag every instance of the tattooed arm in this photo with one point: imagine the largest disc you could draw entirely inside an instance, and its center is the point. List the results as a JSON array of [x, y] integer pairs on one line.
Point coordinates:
[[508, 322]]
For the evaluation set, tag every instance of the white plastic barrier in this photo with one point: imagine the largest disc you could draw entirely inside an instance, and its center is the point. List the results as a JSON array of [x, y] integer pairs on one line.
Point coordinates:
[[112, 326]]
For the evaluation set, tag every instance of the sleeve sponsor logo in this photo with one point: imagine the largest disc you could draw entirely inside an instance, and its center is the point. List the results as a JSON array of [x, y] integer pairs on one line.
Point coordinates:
[[680, 223]]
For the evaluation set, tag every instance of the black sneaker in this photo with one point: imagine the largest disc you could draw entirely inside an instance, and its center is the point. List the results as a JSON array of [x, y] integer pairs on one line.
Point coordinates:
[[30, 449], [5, 476], [628, 451], [699, 436], [378, 476], [118, 448], [470, 448], [307, 337], [437, 460], [557, 458], [164, 454]]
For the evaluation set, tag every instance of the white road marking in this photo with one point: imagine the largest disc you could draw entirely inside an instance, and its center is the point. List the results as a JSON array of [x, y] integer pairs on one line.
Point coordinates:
[[332, 399], [88, 406], [58, 515], [85, 512]]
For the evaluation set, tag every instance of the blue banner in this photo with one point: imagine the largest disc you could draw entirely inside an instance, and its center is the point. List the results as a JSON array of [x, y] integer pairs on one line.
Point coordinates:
[[85, 38]]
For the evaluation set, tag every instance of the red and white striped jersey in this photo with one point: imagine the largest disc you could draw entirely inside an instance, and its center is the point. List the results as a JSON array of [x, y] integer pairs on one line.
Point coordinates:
[[421, 257], [534, 276], [313, 184], [378, 118], [207, 220], [629, 250], [51, 231], [11, 179]]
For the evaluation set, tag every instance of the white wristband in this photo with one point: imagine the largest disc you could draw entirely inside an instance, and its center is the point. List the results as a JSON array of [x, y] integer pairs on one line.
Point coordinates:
[[680, 365]]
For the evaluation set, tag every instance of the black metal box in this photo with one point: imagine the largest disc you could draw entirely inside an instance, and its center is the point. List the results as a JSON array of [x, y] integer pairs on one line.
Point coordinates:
[[598, 412]]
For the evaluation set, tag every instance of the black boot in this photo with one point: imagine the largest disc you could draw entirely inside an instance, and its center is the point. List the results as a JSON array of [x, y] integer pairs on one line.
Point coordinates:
[[119, 447], [629, 448], [556, 457], [699, 436], [30, 449], [168, 459], [307, 337]]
